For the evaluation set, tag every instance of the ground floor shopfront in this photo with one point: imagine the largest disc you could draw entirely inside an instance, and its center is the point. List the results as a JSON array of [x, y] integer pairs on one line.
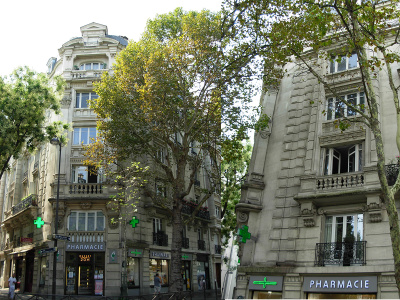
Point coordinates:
[[316, 286]]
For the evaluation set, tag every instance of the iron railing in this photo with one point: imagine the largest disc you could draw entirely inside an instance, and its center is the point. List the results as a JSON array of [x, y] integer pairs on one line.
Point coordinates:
[[24, 204], [160, 238], [188, 208], [201, 245], [185, 243], [391, 173], [340, 253]]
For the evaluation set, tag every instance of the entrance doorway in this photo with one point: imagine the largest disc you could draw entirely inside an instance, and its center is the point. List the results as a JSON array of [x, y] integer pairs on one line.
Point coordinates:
[[84, 273], [30, 259], [186, 275]]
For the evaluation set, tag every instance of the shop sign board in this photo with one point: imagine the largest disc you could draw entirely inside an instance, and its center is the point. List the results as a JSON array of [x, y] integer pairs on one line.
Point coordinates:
[[187, 256], [26, 240], [341, 284], [266, 283], [47, 250], [134, 252], [92, 247], [113, 256], [61, 237], [159, 255]]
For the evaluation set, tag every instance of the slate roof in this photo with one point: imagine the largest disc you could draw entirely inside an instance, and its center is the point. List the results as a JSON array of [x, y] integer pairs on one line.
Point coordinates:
[[119, 39]]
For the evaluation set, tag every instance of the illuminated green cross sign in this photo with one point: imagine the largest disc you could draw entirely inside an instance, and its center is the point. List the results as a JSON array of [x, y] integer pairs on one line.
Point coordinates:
[[244, 233], [133, 222], [38, 222], [265, 282], [185, 256], [136, 252]]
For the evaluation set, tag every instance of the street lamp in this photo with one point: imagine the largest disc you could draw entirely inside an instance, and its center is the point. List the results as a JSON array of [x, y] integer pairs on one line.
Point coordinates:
[[55, 141]]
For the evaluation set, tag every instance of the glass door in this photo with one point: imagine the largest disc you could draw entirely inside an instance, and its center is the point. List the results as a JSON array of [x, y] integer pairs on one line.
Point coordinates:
[[85, 280]]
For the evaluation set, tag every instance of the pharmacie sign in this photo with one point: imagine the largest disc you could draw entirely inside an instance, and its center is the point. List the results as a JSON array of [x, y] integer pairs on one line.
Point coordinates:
[[160, 255], [94, 247], [342, 284], [266, 283]]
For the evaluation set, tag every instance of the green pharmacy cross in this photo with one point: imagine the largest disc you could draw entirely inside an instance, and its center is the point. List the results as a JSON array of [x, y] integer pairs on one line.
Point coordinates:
[[133, 222], [265, 282], [136, 252], [244, 233], [185, 256], [38, 222]]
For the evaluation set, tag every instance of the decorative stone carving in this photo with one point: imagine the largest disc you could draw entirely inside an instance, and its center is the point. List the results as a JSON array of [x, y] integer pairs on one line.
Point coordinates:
[[242, 217], [309, 222], [86, 205], [265, 134], [374, 211], [321, 211]]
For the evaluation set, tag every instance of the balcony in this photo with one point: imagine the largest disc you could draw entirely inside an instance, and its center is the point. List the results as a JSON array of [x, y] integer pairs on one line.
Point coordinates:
[[185, 243], [217, 249], [391, 173], [24, 204], [85, 188], [86, 236], [189, 206], [340, 253], [340, 181], [201, 245], [160, 238], [86, 74]]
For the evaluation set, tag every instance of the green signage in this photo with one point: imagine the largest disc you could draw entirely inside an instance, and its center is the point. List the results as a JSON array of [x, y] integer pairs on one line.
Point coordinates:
[[265, 282], [244, 233], [136, 252], [133, 222], [185, 256], [38, 222]]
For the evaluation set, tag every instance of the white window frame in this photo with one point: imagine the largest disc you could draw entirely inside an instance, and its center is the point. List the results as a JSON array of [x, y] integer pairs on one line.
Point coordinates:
[[157, 225], [78, 132], [78, 99], [333, 234], [82, 66], [80, 212], [334, 65], [331, 156], [333, 105]]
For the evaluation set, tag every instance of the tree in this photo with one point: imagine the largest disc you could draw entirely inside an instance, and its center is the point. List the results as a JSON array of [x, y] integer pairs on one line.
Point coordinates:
[[311, 32], [232, 172], [161, 106], [25, 99]]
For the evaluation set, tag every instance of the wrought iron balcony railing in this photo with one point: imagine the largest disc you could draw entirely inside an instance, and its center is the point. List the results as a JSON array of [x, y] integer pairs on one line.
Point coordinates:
[[27, 202], [341, 253], [188, 209], [391, 173], [217, 249], [160, 239], [185, 243], [201, 245]]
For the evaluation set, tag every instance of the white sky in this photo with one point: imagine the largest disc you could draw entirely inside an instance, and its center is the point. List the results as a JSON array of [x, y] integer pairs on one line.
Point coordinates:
[[33, 31]]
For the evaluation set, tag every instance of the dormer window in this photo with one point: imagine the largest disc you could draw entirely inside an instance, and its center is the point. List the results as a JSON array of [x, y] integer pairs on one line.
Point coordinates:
[[340, 63], [92, 66]]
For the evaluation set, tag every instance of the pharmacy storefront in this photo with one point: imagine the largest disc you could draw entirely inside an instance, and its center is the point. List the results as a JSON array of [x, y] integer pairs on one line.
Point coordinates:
[[266, 287], [84, 268], [340, 287]]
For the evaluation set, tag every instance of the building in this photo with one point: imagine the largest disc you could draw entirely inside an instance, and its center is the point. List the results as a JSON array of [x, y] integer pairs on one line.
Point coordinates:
[[311, 202], [101, 256]]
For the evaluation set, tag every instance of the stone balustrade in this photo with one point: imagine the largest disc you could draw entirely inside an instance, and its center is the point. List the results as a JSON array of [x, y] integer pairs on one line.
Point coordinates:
[[340, 181]]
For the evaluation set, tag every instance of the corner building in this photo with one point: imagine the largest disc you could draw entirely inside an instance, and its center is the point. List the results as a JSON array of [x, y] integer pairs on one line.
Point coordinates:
[[98, 259], [311, 201]]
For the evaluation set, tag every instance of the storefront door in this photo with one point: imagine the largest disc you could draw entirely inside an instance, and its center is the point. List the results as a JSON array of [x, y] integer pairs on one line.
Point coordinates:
[[186, 275], [30, 257]]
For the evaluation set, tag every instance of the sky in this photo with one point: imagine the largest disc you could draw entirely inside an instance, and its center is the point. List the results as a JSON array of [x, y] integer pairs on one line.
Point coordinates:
[[33, 31]]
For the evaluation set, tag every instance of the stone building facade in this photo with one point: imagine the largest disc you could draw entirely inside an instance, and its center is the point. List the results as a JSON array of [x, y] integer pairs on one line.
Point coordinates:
[[311, 201], [101, 257]]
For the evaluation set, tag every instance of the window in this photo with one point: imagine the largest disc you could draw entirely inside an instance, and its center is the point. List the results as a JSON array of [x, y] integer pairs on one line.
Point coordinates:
[[217, 212], [160, 188], [343, 62], [337, 227], [344, 159], [86, 221], [199, 234], [160, 155], [85, 174], [92, 66], [133, 271], [161, 267], [337, 109], [157, 225], [82, 99], [84, 135]]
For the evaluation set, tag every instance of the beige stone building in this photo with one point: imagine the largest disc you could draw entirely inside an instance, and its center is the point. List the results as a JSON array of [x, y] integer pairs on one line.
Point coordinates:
[[311, 187], [98, 258]]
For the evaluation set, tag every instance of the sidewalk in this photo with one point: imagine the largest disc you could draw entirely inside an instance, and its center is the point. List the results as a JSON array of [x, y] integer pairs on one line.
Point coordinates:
[[210, 295]]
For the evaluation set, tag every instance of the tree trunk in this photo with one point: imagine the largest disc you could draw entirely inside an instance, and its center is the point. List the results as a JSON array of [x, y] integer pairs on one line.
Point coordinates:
[[176, 249]]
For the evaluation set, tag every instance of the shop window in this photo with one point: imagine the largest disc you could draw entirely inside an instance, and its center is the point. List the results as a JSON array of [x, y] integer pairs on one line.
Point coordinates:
[[86, 174], [268, 295], [336, 109], [160, 266], [82, 99], [340, 63], [133, 272], [86, 221], [344, 159], [84, 135]]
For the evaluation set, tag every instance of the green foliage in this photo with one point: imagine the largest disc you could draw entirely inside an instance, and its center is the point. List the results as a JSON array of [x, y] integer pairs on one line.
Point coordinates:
[[233, 172], [25, 99]]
